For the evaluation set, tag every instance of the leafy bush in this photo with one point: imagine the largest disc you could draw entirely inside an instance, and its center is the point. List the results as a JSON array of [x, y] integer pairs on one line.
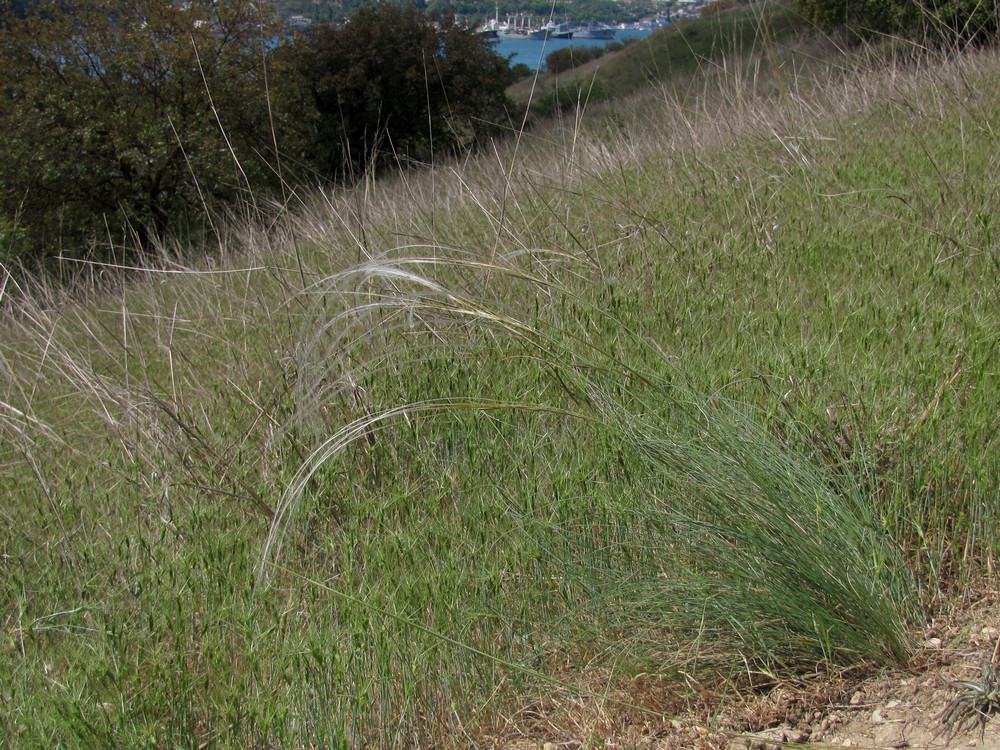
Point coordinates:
[[566, 58], [132, 120], [132, 114], [394, 85], [519, 71], [962, 21]]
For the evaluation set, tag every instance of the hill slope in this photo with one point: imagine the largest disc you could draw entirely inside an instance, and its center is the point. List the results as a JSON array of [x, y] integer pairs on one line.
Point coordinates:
[[692, 396], [763, 33]]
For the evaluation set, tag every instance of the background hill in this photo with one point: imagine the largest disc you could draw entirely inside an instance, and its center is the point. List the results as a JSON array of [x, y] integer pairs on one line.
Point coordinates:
[[767, 35]]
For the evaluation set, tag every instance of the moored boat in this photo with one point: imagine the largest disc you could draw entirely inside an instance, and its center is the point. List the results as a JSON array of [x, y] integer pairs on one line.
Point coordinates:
[[512, 33], [593, 31], [552, 30]]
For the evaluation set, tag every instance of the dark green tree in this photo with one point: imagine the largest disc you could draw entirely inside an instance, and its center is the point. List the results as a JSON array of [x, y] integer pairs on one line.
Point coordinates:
[[394, 86], [133, 117], [934, 21], [16, 8]]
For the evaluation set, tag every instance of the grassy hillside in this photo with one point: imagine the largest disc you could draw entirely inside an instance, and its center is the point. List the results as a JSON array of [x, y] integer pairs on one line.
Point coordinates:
[[686, 395], [762, 34]]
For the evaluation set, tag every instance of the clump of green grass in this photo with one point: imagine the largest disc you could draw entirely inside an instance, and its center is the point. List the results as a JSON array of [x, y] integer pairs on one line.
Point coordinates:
[[720, 531], [750, 549]]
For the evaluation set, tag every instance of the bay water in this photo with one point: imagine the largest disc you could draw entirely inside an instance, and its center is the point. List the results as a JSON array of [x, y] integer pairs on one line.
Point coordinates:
[[532, 52]]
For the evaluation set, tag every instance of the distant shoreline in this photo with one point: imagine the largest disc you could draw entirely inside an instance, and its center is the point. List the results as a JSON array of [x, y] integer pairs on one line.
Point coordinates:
[[533, 52]]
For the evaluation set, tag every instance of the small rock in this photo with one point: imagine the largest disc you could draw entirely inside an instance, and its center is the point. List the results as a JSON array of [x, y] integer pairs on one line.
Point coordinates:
[[892, 704], [796, 736], [847, 743], [932, 643], [817, 716], [878, 717], [857, 698], [888, 734], [827, 723], [769, 739]]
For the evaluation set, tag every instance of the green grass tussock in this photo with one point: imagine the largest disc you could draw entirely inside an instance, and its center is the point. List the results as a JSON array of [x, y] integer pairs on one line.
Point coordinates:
[[694, 384], [724, 533]]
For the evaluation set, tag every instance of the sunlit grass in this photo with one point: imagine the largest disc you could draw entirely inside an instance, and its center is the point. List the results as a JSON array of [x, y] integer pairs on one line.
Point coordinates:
[[702, 382]]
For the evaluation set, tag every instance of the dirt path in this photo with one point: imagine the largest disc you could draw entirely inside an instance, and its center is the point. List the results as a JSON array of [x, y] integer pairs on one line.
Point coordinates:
[[893, 710]]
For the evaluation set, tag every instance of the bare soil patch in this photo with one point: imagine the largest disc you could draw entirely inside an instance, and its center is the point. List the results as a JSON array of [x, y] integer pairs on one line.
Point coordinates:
[[893, 709]]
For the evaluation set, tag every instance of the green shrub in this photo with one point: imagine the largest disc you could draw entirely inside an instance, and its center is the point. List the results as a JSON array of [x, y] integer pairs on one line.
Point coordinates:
[[519, 71], [125, 122], [937, 21], [129, 118], [394, 85], [563, 59]]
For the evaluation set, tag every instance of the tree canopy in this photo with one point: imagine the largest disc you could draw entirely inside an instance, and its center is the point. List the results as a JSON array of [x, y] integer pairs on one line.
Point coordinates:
[[131, 113], [950, 21], [134, 118], [395, 85]]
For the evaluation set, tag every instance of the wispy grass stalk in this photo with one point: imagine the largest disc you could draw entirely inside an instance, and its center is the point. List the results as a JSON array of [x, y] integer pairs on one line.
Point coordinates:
[[745, 542]]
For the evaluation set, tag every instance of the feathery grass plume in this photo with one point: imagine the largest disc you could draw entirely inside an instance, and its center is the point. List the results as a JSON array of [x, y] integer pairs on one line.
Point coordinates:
[[718, 530]]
